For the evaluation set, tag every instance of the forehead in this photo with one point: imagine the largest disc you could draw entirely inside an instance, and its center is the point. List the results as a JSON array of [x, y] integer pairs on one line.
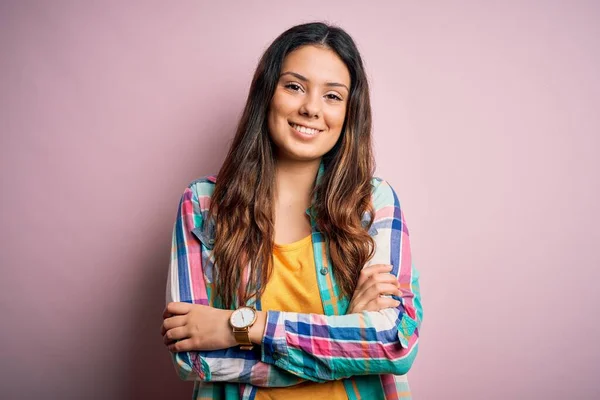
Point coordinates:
[[318, 64]]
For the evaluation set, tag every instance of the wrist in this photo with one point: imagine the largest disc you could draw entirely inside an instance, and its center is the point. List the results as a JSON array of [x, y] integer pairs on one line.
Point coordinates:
[[230, 339], [257, 331]]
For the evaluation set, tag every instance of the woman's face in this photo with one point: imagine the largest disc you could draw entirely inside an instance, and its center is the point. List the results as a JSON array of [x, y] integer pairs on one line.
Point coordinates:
[[308, 109]]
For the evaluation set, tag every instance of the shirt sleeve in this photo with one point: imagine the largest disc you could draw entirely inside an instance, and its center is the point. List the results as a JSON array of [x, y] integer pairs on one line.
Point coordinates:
[[190, 280], [321, 348]]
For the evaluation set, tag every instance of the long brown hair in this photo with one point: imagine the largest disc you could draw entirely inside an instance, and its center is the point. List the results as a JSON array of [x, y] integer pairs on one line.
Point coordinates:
[[242, 202]]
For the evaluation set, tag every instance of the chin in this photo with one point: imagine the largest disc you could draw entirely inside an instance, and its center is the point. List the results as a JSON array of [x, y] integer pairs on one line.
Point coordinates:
[[296, 155], [301, 157]]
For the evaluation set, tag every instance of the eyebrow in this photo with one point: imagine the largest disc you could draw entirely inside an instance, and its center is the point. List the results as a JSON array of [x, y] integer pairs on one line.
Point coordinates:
[[305, 79]]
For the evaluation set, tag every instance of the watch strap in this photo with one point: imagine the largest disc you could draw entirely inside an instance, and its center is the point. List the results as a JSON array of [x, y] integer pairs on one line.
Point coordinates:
[[242, 337]]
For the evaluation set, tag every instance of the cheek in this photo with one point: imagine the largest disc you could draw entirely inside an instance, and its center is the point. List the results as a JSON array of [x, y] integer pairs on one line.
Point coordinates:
[[281, 105], [274, 115], [335, 119]]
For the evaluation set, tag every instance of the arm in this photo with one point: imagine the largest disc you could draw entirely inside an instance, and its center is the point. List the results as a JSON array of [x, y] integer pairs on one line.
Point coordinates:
[[321, 348], [188, 281]]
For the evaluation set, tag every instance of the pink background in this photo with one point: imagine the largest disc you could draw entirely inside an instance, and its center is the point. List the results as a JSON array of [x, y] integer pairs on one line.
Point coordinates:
[[487, 123]]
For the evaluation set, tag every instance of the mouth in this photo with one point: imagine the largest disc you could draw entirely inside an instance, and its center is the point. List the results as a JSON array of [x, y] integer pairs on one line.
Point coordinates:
[[305, 129]]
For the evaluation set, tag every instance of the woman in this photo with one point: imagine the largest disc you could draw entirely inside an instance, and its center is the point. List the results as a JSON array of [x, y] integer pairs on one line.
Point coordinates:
[[291, 274]]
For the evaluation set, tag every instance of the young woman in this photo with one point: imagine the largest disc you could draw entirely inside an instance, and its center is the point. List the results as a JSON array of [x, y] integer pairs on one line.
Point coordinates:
[[291, 272]]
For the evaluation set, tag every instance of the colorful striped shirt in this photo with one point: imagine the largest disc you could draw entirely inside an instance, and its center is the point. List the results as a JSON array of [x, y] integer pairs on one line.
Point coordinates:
[[371, 352]]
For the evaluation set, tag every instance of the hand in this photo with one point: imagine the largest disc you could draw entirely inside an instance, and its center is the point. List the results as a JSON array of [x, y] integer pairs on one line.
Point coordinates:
[[374, 281], [188, 327]]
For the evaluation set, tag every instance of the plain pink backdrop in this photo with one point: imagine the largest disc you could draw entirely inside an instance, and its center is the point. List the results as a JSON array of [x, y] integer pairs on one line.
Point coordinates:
[[487, 123]]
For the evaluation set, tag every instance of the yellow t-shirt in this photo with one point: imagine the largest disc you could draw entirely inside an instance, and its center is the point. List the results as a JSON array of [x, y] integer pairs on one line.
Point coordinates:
[[293, 287]]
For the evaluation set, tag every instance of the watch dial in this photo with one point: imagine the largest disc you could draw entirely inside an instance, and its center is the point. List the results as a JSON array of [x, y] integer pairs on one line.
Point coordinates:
[[242, 317]]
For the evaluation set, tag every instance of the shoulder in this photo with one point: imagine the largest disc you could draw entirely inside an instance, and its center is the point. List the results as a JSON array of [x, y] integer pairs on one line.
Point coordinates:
[[200, 190], [204, 185], [383, 194], [208, 180]]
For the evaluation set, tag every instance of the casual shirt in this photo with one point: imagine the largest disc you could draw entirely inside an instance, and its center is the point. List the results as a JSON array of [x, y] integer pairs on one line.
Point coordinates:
[[371, 352]]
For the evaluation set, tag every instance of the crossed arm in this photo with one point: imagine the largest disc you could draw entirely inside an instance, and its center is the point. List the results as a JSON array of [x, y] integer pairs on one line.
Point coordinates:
[[378, 334]]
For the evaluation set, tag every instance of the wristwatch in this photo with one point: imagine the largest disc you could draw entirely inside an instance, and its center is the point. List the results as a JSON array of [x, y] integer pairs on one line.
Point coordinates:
[[241, 320]]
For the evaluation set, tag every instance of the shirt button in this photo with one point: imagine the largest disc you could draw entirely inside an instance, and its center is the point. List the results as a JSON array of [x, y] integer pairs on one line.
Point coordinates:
[[211, 241], [324, 271]]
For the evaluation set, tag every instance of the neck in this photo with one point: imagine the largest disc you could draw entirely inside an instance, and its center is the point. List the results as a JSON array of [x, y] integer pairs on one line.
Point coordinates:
[[294, 180]]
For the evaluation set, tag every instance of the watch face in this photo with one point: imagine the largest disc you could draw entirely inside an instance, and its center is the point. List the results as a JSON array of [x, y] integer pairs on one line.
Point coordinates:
[[242, 317]]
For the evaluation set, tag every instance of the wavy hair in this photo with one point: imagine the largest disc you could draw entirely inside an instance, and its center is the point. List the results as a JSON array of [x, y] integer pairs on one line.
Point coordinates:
[[242, 202]]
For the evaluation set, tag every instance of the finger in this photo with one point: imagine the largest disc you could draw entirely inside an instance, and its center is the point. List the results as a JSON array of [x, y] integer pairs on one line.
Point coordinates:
[[381, 277], [182, 345], [384, 278], [375, 290], [178, 308], [382, 303], [175, 334], [380, 288], [372, 270], [174, 322]]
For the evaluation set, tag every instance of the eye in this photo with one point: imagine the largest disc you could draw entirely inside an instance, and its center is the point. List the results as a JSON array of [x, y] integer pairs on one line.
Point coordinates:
[[293, 86], [333, 96]]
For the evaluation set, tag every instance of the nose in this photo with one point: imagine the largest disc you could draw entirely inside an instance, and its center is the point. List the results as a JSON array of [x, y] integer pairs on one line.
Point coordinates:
[[311, 107]]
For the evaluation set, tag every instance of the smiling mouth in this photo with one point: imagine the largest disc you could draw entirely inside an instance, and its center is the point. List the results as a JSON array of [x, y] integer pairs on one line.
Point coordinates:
[[304, 129]]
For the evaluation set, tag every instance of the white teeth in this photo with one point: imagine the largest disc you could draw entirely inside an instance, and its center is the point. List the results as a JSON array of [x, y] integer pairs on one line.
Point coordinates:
[[304, 129]]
